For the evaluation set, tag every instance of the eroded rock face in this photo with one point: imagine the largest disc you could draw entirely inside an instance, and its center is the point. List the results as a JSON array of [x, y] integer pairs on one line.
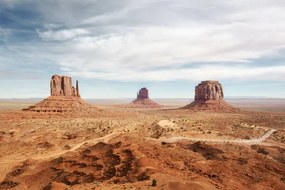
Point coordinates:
[[143, 93], [209, 90], [64, 98], [209, 95], [142, 100], [62, 86]]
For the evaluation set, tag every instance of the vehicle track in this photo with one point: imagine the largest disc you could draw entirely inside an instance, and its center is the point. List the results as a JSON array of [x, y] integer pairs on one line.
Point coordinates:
[[169, 140], [238, 141]]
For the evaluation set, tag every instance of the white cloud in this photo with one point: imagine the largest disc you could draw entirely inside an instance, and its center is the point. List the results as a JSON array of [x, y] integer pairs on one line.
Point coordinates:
[[51, 26], [9, 3], [4, 31], [153, 40], [59, 35], [208, 72], [151, 48]]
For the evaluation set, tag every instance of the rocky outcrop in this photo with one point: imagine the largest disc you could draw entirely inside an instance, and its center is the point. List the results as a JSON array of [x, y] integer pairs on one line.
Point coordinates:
[[209, 95], [209, 90], [63, 98], [142, 101], [62, 86], [143, 93]]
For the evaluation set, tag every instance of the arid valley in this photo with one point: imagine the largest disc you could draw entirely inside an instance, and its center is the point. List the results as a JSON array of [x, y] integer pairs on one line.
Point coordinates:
[[117, 147], [142, 95]]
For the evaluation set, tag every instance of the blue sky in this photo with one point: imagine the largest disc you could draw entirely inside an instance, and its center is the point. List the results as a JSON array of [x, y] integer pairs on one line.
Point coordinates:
[[116, 47]]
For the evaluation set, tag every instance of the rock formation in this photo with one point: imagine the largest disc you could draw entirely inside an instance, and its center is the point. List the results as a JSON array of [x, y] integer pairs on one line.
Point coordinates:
[[143, 93], [209, 95], [62, 86], [209, 90], [143, 101], [63, 97]]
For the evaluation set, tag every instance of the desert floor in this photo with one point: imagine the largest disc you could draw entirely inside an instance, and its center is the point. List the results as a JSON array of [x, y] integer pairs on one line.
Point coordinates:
[[116, 148]]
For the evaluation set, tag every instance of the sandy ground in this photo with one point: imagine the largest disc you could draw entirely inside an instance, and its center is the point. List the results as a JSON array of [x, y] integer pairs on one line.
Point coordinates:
[[128, 148]]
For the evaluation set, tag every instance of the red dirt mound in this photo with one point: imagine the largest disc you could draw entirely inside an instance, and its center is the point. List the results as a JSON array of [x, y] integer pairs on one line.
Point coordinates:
[[211, 105], [98, 163], [143, 103], [61, 104]]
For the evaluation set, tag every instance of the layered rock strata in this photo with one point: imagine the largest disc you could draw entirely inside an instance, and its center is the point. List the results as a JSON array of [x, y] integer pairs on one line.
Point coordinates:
[[63, 97], [62, 86], [209, 90], [143, 100], [209, 95]]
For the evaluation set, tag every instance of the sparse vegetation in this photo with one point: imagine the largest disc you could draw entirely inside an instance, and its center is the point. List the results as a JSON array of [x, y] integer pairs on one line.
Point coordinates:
[[154, 182], [68, 142]]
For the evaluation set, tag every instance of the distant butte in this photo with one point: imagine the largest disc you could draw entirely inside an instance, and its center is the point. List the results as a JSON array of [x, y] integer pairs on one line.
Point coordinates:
[[143, 100], [143, 93], [209, 95], [63, 97]]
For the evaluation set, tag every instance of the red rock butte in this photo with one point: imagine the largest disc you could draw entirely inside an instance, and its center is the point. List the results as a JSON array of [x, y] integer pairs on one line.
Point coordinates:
[[143, 93], [209, 95], [143, 100], [63, 97], [62, 86]]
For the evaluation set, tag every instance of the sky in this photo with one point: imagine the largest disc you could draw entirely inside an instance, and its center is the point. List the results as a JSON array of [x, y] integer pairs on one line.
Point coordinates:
[[115, 47]]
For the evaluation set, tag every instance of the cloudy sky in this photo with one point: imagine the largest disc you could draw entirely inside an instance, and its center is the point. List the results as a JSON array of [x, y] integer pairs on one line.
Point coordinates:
[[114, 47]]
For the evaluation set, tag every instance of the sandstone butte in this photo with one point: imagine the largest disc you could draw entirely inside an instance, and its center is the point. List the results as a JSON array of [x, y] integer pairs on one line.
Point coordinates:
[[62, 86], [143, 100], [63, 97], [209, 95]]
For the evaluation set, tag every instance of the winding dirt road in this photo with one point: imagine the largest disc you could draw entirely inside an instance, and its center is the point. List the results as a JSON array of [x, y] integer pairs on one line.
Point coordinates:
[[170, 140], [238, 141], [7, 165]]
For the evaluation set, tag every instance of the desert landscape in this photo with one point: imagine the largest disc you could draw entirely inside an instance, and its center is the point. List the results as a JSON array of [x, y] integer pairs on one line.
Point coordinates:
[[142, 95], [63, 142]]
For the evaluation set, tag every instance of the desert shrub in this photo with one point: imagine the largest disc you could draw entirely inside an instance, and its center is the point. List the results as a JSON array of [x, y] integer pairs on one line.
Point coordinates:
[[262, 151], [154, 182]]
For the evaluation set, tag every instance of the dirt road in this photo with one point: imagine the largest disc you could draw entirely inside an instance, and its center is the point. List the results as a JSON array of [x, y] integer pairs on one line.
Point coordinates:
[[238, 141], [170, 140]]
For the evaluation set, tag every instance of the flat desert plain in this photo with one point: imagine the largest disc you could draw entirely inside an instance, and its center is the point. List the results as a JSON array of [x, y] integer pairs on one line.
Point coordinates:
[[127, 148]]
